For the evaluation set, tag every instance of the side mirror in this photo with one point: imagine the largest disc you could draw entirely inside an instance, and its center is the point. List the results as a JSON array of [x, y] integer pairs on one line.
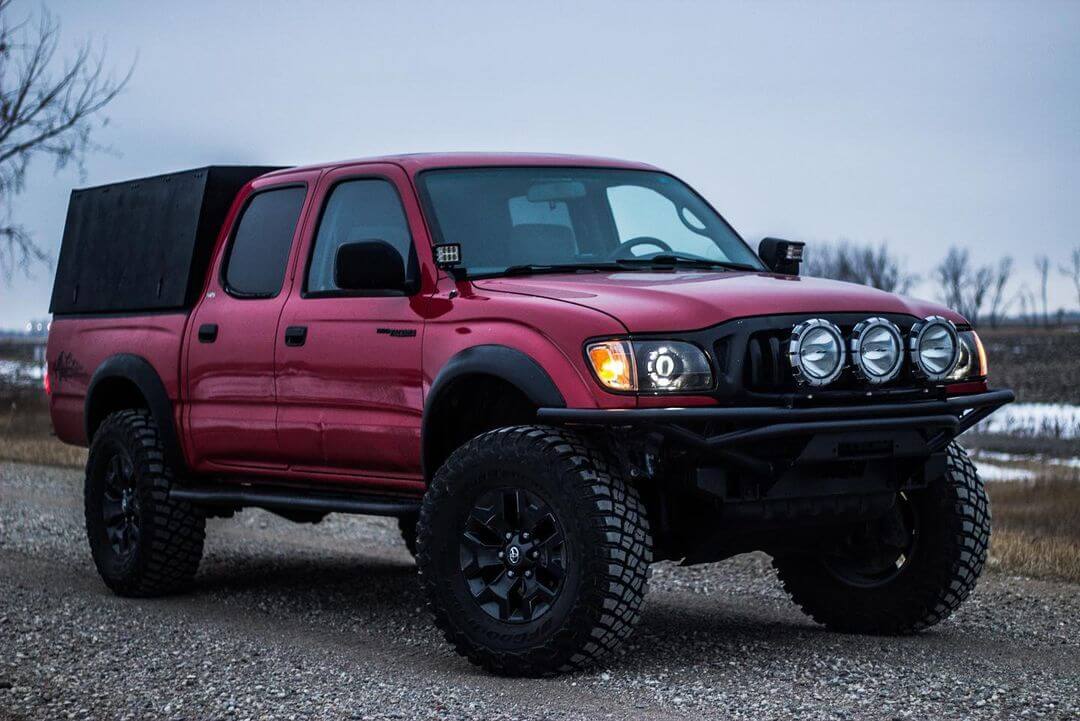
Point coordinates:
[[781, 256], [369, 265]]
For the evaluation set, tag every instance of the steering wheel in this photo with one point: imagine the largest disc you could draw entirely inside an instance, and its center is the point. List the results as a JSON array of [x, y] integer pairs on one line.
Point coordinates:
[[622, 252]]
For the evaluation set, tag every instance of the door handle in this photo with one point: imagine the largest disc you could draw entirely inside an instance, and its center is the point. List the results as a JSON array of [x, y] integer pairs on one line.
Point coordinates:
[[208, 332], [295, 335]]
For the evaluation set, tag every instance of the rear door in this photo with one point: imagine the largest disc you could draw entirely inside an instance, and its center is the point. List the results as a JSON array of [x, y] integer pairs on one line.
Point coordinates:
[[349, 385], [231, 394]]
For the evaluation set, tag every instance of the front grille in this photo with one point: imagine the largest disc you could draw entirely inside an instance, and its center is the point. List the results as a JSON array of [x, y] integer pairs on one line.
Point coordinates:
[[767, 367]]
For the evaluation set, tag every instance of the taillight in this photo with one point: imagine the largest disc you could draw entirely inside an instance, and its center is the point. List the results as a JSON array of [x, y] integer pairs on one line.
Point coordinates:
[[48, 385]]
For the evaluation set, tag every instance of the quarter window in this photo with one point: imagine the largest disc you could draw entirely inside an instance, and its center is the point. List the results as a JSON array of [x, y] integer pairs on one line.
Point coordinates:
[[261, 243], [359, 211]]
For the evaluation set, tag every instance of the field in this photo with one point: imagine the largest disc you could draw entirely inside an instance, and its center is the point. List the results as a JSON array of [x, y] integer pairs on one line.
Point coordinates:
[[1031, 462]]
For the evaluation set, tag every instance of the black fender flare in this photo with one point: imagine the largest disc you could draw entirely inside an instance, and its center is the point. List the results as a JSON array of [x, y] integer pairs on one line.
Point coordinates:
[[142, 374], [509, 364]]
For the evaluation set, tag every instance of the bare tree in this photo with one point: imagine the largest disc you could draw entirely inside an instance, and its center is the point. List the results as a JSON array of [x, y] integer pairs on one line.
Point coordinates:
[[1042, 267], [999, 301], [46, 109], [859, 263], [967, 289], [1071, 270]]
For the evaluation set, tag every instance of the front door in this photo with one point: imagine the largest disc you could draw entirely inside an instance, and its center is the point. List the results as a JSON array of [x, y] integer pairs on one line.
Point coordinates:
[[349, 388], [230, 409]]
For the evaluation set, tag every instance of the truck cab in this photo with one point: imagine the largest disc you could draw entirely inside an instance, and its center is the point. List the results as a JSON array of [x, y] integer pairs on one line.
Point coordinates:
[[553, 370]]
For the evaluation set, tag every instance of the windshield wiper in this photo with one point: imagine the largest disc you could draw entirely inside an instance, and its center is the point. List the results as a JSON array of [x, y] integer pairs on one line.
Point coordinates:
[[665, 260], [536, 268]]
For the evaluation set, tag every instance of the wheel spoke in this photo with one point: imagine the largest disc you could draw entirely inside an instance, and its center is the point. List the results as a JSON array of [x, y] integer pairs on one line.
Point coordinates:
[[112, 511], [486, 525], [513, 507]]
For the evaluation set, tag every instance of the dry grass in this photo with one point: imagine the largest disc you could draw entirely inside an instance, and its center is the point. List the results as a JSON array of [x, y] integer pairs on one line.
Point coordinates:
[[1036, 528], [46, 451]]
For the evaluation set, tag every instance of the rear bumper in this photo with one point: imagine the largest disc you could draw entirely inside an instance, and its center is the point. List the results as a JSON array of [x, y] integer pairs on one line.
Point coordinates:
[[851, 432]]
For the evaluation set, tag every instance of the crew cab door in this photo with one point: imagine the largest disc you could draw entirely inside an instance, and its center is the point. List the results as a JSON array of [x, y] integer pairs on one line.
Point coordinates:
[[230, 413], [349, 387]]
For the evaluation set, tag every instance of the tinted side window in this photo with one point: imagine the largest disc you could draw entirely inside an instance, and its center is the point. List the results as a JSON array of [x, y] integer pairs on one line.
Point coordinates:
[[260, 246], [357, 211]]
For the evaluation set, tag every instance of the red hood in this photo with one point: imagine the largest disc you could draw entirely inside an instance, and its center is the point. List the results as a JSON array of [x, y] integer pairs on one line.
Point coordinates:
[[666, 301]]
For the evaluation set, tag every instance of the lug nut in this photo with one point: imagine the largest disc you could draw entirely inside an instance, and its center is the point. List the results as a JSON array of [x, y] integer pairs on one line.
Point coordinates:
[[534, 554], [509, 535], [528, 574], [524, 536], [510, 574], [502, 555]]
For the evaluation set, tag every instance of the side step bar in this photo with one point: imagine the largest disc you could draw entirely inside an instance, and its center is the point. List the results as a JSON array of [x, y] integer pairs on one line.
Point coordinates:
[[284, 499]]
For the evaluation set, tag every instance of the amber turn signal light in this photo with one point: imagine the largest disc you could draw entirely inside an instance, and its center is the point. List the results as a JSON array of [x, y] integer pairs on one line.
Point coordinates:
[[613, 363]]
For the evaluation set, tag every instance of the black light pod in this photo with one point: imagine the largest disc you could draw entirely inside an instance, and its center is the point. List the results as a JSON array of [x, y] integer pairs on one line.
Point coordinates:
[[781, 256]]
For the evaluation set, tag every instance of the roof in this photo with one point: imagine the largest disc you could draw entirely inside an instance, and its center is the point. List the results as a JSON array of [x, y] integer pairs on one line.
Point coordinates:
[[416, 162]]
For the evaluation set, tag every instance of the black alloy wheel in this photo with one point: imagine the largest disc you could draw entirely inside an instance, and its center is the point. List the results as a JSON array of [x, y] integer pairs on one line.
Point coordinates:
[[120, 502], [879, 551], [513, 555]]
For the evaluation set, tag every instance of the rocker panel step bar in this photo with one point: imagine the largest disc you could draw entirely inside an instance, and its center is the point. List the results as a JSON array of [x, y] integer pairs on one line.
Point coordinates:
[[294, 500]]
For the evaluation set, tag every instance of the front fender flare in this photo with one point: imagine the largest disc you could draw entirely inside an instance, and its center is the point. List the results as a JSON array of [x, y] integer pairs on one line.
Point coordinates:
[[500, 361]]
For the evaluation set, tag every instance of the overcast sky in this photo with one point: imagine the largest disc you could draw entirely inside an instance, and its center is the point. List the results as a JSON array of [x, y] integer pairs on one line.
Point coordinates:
[[920, 125]]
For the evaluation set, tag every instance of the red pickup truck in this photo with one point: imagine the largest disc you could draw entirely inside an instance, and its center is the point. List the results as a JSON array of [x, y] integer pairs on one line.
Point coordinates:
[[553, 370]]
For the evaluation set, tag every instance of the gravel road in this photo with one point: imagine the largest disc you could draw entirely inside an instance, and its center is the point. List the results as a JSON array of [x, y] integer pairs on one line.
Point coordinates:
[[323, 622]]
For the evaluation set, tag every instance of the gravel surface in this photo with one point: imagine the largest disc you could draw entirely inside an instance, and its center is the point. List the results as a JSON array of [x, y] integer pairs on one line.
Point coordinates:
[[322, 622]]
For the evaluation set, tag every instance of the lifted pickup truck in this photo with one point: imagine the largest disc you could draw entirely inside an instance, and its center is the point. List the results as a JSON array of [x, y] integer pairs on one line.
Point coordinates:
[[553, 370]]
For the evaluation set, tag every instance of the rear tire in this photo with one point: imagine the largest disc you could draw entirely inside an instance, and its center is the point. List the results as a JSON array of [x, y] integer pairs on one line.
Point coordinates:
[[143, 542], [567, 588], [946, 558]]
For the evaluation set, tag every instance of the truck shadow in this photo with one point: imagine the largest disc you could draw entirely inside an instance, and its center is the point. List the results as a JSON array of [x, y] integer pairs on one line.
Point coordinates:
[[676, 629]]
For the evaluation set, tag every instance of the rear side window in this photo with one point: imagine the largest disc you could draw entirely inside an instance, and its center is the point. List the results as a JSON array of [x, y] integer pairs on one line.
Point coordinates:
[[261, 243], [359, 211]]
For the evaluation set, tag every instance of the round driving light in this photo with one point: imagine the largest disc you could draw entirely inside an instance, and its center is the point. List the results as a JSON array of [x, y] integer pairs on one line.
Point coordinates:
[[877, 350], [816, 352], [934, 347]]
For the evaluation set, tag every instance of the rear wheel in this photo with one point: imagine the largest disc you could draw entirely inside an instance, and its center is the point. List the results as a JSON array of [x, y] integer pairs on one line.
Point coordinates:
[[906, 571], [143, 542], [533, 552]]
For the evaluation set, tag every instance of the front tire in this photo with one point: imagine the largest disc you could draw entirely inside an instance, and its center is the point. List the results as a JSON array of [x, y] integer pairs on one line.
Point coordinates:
[[934, 574], [143, 542], [533, 552]]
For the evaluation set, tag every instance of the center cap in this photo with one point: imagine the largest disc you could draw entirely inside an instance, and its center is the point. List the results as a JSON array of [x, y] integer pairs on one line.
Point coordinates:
[[513, 554]]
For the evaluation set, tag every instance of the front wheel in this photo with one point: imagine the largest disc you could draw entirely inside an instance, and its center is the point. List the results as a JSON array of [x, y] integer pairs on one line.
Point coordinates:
[[533, 552], [906, 571]]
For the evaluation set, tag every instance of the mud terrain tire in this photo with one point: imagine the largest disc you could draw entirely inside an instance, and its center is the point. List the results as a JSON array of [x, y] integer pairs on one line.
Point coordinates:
[[153, 544], [605, 546], [945, 563]]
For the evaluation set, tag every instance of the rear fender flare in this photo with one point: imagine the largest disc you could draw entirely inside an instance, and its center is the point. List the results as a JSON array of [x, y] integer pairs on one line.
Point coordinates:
[[143, 376]]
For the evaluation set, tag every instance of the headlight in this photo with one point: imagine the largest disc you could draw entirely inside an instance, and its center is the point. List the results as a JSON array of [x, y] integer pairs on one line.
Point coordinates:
[[972, 362], [877, 350], [816, 352], [650, 366], [935, 348]]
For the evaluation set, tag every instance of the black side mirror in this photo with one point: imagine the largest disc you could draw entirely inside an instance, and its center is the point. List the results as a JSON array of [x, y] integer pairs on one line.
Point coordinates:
[[781, 256], [369, 265]]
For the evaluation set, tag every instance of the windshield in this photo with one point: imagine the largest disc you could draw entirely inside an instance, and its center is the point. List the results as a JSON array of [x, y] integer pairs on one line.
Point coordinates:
[[536, 217]]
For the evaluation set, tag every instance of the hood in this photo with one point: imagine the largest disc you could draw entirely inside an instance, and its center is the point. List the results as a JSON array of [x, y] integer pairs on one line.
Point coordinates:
[[660, 301]]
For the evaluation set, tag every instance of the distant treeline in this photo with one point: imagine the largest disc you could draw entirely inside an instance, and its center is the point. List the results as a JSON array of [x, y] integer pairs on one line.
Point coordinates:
[[982, 293]]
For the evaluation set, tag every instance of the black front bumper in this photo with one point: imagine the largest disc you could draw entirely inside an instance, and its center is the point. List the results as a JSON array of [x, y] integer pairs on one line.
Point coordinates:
[[848, 432]]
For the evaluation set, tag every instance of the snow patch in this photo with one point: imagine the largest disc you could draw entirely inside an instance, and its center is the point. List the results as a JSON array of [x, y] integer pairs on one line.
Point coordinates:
[[1034, 420]]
